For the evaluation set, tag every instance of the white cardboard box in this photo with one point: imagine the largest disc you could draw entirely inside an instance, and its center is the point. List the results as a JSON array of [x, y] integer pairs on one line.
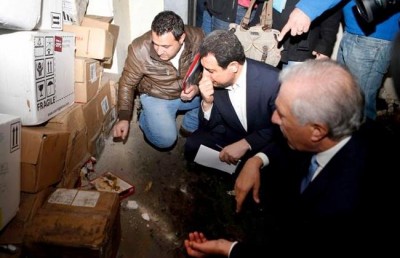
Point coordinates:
[[74, 10], [20, 14], [51, 15], [10, 167], [36, 74]]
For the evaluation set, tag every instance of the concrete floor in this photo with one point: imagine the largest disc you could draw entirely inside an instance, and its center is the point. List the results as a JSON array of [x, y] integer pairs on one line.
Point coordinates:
[[154, 174]]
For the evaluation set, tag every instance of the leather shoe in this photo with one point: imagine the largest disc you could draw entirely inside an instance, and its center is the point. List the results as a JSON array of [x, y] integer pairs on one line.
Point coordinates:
[[184, 133]]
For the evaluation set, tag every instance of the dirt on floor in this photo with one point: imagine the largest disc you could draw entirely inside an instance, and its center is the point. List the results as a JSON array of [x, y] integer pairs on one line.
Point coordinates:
[[173, 198]]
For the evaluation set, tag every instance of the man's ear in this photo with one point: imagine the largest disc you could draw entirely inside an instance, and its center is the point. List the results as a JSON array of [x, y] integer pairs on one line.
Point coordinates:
[[319, 131], [182, 38], [233, 67]]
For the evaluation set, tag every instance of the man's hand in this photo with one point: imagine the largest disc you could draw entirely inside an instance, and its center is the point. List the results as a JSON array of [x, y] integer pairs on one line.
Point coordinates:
[[121, 129], [297, 24], [206, 88], [319, 56], [232, 153], [249, 178], [189, 93], [198, 246]]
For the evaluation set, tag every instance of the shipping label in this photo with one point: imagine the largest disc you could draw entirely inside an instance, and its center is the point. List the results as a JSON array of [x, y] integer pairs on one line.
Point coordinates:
[[45, 68]]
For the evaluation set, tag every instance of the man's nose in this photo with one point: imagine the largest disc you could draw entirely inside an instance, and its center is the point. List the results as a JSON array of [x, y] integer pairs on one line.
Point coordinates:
[[275, 118]]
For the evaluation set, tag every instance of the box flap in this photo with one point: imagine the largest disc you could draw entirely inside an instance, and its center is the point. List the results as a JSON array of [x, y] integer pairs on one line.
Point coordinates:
[[90, 20]]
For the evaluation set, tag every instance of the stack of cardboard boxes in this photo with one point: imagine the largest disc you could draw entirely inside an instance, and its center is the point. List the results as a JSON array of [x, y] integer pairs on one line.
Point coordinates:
[[59, 108]]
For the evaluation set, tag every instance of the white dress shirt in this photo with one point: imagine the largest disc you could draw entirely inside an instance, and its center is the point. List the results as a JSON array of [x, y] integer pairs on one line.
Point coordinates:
[[322, 157], [237, 96]]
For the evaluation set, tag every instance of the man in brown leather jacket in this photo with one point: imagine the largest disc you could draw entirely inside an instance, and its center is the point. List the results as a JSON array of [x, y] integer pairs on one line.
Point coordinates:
[[155, 66]]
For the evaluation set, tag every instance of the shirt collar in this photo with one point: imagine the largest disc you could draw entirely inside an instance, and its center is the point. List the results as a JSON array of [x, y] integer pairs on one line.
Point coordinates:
[[241, 80], [324, 157]]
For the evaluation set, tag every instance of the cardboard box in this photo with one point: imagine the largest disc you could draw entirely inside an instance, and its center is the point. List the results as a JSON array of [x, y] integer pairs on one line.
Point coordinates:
[[74, 10], [36, 74], [96, 144], [92, 118], [51, 15], [43, 155], [72, 120], [10, 167], [87, 78], [76, 223], [14, 232], [96, 111], [22, 16], [92, 42], [72, 176], [104, 101], [103, 23], [109, 121], [113, 79]]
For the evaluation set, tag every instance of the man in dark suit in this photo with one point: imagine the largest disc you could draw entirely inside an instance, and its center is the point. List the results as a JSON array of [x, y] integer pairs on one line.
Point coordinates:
[[238, 96], [347, 202]]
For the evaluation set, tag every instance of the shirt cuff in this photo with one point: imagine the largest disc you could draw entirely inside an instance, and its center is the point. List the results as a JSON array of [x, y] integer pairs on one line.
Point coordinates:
[[264, 158], [230, 249], [207, 114]]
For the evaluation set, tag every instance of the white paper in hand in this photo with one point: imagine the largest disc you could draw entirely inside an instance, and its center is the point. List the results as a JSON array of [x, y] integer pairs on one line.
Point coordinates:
[[210, 158]]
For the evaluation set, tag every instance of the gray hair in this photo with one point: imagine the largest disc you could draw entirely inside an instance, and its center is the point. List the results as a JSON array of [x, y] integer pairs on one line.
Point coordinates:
[[331, 96]]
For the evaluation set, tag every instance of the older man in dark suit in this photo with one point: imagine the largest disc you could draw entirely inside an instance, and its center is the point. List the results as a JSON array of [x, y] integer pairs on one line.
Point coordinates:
[[238, 96], [333, 192]]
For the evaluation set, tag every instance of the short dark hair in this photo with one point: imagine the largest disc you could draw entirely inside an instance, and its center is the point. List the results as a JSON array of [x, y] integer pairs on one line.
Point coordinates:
[[168, 21], [225, 46]]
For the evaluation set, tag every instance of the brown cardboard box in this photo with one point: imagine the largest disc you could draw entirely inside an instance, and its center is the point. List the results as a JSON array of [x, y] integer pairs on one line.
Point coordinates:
[[75, 223], [92, 119], [109, 122], [92, 42], [14, 232], [104, 100], [113, 80], [96, 110], [87, 78], [73, 121], [102, 23], [96, 144], [43, 153]]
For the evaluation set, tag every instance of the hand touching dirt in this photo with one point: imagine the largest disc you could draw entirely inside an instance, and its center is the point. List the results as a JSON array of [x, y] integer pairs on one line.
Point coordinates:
[[248, 179], [198, 246]]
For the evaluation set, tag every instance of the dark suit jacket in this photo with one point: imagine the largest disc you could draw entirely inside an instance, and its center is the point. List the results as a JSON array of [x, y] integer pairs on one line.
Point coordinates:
[[224, 126], [345, 209]]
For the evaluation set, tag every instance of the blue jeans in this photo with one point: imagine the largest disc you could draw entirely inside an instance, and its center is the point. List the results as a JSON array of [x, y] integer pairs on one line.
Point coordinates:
[[158, 119], [368, 60], [218, 24], [206, 22]]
